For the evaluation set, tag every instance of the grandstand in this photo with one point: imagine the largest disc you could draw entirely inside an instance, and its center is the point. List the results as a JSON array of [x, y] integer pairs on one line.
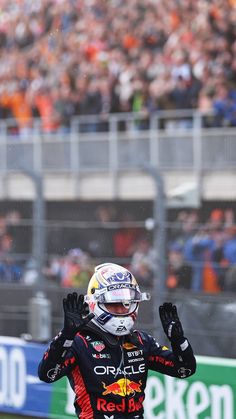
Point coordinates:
[[118, 142]]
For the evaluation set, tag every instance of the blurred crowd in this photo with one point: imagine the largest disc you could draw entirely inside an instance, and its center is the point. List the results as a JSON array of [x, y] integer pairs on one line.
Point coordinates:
[[10, 268], [200, 254], [65, 58]]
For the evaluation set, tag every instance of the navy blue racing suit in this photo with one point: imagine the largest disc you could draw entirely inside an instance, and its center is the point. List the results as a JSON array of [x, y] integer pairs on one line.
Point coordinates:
[[108, 374]]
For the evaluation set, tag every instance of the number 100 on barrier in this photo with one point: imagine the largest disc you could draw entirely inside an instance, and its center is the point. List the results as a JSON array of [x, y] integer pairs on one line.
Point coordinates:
[[12, 377]]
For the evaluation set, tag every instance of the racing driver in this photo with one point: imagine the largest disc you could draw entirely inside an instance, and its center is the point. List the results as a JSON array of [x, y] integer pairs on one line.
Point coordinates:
[[105, 359]]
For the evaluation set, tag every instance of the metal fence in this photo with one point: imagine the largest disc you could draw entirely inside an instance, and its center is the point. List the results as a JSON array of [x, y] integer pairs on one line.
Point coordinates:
[[167, 140]]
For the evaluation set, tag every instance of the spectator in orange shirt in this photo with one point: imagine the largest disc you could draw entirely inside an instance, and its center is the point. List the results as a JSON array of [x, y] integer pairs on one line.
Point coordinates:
[[19, 104], [44, 104]]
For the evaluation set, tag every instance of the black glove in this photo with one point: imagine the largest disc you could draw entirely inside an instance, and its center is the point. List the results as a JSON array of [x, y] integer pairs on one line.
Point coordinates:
[[170, 322], [75, 318]]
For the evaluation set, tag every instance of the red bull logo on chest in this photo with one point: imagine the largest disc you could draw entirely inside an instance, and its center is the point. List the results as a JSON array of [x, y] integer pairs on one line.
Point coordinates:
[[122, 387]]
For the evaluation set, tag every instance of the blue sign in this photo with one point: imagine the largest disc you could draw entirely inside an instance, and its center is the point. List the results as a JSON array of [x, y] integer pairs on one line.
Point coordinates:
[[21, 391]]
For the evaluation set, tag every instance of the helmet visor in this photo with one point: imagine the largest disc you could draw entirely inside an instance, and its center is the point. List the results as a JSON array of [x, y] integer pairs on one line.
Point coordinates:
[[122, 293], [119, 293]]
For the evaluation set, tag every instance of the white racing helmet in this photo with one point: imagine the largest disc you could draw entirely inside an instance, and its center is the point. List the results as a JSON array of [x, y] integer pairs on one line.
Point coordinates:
[[111, 284]]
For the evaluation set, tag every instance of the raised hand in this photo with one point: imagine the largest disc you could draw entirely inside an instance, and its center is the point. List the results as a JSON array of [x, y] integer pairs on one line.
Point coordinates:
[[75, 314], [171, 322]]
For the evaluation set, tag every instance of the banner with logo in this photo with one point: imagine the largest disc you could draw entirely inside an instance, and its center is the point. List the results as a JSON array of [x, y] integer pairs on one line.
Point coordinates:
[[209, 394]]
